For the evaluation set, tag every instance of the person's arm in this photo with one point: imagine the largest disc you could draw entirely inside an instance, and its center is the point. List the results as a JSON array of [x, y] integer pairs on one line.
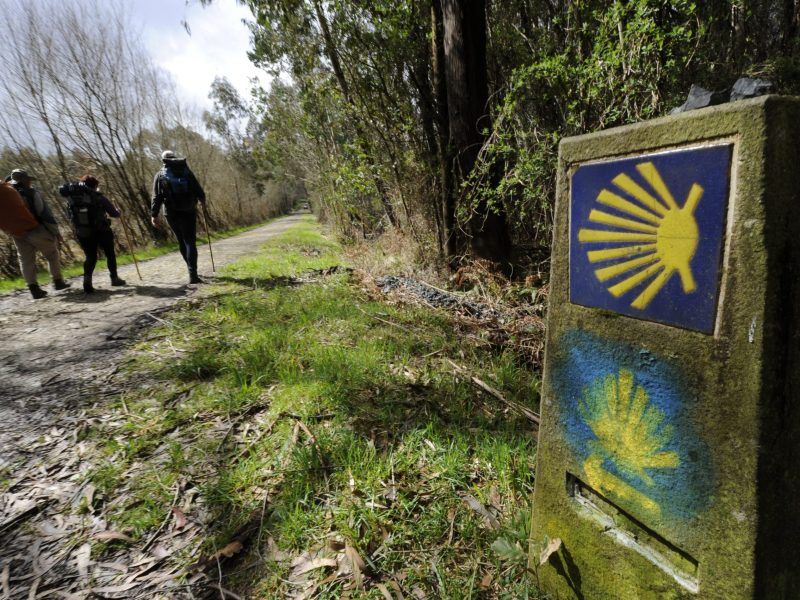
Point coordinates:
[[196, 188], [38, 204], [110, 209], [44, 214]]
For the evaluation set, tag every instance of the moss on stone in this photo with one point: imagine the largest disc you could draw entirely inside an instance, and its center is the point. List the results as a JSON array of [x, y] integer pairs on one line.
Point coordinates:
[[741, 382]]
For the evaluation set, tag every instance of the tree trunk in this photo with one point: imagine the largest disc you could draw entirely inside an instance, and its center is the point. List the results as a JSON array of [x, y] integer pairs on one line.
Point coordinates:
[[420, 73], [789, 24], [447, 190], [527, 24], [467, 100], [363, 142]]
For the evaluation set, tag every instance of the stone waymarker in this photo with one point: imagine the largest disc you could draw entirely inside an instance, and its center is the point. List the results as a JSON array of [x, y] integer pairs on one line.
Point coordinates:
[[669, 453]]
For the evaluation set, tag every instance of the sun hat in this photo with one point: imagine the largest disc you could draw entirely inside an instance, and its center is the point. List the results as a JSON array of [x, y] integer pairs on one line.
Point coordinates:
[[18, 175]]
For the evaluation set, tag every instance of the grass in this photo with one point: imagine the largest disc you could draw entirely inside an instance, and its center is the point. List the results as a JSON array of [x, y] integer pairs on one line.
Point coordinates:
[[75, 269], [317, 419]]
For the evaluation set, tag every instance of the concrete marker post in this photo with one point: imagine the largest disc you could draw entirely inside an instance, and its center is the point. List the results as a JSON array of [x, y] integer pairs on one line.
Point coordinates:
[[669, 451]]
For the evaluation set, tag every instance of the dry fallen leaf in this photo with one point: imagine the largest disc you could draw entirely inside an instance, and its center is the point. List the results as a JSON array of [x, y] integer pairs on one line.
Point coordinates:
[[111, 535], [120, 567], [314, 563], [552, 546], [479, 508], [83, 559], [34, 589], [398, 592], [180, 518], [384, 590], [486, 581], [356, 563], [115, 589], [4, 579], [160, 551], [495, 499], [232, 548], [88, 495]]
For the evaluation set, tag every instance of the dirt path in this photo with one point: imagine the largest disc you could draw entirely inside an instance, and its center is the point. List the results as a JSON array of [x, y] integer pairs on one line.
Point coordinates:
[[54, 349], [56, 353]]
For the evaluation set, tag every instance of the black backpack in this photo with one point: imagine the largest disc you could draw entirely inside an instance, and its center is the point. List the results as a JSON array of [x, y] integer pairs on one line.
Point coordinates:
[[86, 213], [176, 187]]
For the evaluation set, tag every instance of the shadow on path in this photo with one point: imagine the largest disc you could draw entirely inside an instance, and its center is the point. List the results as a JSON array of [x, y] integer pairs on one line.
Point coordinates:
[[102, 295]]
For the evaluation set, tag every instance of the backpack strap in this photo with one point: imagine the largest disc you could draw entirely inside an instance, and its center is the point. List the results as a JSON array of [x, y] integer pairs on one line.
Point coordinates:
[[163, 183], [30, 200]]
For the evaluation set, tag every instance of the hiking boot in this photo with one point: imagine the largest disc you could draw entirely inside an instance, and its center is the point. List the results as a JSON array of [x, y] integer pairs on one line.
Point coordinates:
[[116, 281], [87, 285], [36, 291], [195, 279], [60, 284]]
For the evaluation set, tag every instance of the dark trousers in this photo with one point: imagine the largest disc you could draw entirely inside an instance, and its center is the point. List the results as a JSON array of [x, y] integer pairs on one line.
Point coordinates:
[[90, 245], [184, 225]]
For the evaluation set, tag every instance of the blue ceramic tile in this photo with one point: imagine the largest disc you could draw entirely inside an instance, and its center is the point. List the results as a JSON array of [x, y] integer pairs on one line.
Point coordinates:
[[647, 234]]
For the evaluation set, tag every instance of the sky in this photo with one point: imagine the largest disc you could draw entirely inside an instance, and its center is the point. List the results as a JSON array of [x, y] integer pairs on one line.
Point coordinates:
[[217, 46]]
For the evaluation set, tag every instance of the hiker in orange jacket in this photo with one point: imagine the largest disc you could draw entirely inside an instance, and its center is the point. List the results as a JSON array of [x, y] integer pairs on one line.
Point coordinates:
[[26, 220]]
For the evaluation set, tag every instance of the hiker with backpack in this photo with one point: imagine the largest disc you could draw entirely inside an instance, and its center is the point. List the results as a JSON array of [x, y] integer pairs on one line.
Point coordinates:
[[89, 211], [27, 218], [177, 189]]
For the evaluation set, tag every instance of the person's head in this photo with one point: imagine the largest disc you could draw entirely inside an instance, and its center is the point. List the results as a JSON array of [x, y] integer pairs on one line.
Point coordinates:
[[167, 155], [20, 177], [90, 182]]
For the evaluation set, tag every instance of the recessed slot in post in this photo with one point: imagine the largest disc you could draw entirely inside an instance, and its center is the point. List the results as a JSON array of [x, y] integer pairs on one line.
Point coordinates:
[[627, 530]]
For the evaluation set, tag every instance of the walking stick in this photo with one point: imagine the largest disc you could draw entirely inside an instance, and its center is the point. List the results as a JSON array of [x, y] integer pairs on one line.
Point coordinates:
[[130, 245], [208, 237]]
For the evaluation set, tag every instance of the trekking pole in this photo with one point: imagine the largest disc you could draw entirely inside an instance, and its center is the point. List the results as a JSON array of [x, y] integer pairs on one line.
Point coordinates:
[[208, 236], [130, 245]]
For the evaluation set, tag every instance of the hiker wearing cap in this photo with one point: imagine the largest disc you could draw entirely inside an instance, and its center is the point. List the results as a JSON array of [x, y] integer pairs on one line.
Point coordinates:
[[89, 210], [27, 218], [177, 189]]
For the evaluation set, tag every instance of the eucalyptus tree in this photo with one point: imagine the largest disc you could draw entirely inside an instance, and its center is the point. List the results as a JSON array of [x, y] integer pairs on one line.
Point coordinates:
[[303, 39], [464, 26], [448, 113]]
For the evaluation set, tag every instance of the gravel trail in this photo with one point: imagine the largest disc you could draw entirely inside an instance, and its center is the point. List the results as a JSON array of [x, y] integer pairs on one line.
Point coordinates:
[[58, 355], [61, 349]]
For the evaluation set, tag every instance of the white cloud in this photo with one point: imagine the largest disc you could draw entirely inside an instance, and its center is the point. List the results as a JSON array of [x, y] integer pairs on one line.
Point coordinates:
[[217, 46]]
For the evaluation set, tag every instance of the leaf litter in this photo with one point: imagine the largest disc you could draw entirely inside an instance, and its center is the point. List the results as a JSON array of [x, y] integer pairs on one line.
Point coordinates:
[[57, 521]]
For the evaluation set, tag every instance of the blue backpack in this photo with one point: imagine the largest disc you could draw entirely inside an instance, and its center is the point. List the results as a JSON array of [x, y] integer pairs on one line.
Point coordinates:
[[176, 189]]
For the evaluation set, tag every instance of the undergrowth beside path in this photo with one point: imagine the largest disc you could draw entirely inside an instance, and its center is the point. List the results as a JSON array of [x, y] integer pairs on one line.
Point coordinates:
[[291, 436]]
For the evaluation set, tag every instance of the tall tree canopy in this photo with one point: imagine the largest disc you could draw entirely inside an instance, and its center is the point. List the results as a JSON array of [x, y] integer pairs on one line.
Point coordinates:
[[442, 117]]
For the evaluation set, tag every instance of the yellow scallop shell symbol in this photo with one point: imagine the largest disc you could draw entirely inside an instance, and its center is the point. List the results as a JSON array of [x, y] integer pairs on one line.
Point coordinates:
[[629, 432], [655, 238]]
